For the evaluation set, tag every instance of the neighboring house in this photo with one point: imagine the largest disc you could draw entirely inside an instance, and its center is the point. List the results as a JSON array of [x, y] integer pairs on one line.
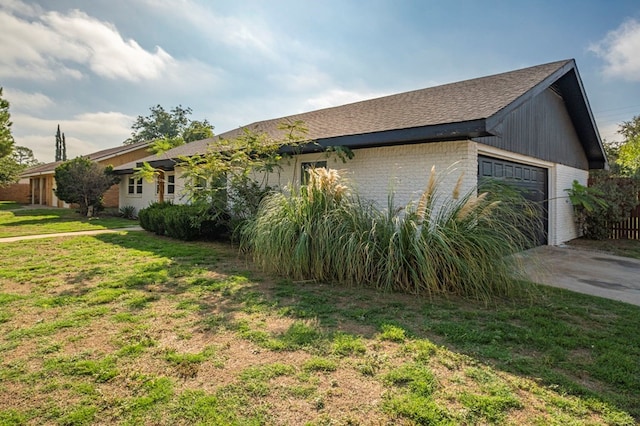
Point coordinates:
[[42, 182], [533, 127], [18, 192]]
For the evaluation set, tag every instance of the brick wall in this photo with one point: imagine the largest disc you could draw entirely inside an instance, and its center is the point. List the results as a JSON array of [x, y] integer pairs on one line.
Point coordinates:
[[18, 192], [110, 198], [561, 211], [405, 169]]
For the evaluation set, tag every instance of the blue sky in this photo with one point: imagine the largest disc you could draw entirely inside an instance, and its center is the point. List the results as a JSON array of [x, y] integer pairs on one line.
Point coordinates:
[[93, 66]]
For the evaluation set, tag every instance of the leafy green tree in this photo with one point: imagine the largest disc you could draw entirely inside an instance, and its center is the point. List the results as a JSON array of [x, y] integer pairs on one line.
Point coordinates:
[[83, 182], [9, 170], [226, 175], [173, 125], [24, 156], [11, 166], [198, 130], [6, 138], [630, 129], [629, 150]]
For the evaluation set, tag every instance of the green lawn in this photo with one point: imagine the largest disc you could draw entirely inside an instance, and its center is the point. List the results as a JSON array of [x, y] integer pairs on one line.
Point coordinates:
[[9, 205], [627, 248], [21, 222], [131, 328]]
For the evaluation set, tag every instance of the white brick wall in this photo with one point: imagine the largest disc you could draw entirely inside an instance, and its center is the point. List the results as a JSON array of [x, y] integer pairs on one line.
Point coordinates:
[[405, 169], [561, 219], [148, 196], [139, 201]]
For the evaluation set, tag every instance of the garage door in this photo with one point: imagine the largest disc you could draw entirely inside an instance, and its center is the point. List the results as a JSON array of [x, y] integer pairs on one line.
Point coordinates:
[[531, 180]]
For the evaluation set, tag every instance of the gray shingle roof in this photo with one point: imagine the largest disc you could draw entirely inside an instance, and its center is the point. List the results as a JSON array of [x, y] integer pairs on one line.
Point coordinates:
[[461, 102], [102, 155]]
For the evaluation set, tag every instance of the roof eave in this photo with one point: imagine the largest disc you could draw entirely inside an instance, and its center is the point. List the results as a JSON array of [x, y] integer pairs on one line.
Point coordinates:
[[163, 164], [439, 132]]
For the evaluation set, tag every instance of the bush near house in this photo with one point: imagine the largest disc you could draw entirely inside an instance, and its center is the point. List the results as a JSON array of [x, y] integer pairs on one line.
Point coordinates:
[[185, 222], [619, 197], [83, 182]]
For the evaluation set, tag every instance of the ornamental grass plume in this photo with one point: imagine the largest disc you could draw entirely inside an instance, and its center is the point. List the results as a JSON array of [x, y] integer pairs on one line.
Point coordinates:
[[324, 232], [327, 182]]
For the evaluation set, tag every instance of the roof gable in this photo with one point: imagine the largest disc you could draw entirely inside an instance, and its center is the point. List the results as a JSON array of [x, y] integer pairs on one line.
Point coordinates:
[[102, 155]]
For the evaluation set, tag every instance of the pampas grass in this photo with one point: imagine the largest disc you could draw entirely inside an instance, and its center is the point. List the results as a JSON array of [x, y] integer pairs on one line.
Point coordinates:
[[444, 244]]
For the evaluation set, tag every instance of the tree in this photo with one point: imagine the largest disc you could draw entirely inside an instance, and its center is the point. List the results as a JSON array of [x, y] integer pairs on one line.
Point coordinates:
[[225, 176], [9, 170], [198, 130], [83, 182], [172, 125], [61, 146], [24, 156], [629, 149], [11, 166], [6, 138]]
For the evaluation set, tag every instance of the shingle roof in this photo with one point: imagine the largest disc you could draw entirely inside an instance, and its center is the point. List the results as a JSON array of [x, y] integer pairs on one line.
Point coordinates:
[[442, 107], [102, 155]]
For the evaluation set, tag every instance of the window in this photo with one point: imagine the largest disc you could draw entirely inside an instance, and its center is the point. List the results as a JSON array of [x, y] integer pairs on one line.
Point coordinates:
[[171, 184], [310, 165], [169, 181], [135, 186]]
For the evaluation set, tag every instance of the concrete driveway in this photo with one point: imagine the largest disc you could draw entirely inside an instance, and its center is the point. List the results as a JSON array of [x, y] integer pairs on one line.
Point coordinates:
[[583, 271]]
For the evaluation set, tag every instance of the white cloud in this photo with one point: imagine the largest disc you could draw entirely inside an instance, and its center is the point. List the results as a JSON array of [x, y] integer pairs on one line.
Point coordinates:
[[57, 44], [302, 77], [620, 50], [609, 131], [246, 33], [21, 8], [336, 97], [25, 102], [84, 133]]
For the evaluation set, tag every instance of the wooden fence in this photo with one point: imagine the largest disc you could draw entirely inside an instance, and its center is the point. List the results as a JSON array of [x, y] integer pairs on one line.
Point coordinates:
[[628, 229]]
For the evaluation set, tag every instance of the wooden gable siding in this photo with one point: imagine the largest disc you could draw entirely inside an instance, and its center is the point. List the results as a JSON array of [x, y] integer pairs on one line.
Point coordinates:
[[541, 128], [126, 158]]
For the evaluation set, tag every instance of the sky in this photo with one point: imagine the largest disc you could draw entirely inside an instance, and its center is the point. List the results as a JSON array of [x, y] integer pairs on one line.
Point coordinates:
[[94, 66]]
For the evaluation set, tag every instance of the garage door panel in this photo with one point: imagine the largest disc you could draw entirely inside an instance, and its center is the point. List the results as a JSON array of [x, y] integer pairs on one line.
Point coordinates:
[[532, 180]]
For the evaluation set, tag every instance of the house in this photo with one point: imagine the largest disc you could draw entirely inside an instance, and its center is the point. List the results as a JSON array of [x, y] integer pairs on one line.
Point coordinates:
[[533, 127], [18, 192], [42, 183]]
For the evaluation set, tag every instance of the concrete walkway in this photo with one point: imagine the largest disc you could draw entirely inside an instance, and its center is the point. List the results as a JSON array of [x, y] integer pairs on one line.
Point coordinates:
[[68, 234], [590, 272]]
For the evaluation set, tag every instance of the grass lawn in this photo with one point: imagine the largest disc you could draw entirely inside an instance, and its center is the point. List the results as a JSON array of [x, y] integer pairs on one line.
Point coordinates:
[[131, 328], [627, 248], [21, 222], [9, 205]]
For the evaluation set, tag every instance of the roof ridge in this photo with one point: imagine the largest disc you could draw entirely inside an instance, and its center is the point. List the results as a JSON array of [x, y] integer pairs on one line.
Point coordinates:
[[560, 63]]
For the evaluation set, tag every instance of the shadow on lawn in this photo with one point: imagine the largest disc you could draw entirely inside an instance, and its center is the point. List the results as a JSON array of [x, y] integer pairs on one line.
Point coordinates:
[[582, 345], [43, 216]]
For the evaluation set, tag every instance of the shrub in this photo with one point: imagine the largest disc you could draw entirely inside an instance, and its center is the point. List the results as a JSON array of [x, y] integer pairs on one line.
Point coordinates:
[[620, 196], [451, 245], [83, 182], [152, 218], [128, 212], [185, 222]]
